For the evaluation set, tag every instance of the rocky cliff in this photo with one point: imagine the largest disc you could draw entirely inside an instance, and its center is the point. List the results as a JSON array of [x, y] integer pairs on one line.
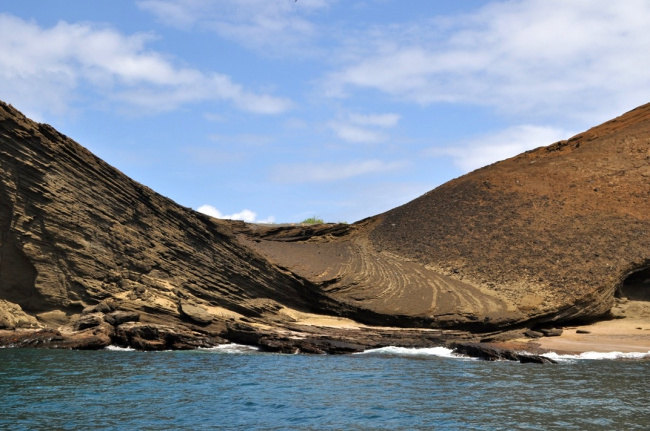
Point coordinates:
[[91, 257]]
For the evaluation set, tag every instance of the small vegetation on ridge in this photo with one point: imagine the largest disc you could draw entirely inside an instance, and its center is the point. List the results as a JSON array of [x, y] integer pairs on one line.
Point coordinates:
[[312, 220]]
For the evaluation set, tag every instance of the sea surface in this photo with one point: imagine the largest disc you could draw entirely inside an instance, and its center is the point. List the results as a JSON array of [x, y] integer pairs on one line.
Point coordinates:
[[235, 387]]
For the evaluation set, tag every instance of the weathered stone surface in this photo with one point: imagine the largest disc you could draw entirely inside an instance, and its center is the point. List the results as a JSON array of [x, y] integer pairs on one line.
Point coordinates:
[[53, 318], [533, 334], [195, 312], [161, 337], [12, 316], [492, 353], [102, 307], [551, 332], [86, 321], [89, 339], [118, 317]]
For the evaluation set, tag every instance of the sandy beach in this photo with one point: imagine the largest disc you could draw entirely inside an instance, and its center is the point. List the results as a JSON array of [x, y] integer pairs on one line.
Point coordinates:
[[628, 331]]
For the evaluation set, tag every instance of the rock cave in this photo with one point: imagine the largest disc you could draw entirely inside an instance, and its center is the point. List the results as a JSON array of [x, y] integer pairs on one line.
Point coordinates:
[[636, 286]]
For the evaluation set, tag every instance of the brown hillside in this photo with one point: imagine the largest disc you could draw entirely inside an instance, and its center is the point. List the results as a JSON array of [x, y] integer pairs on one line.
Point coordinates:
[[549, 235], [555, 230]]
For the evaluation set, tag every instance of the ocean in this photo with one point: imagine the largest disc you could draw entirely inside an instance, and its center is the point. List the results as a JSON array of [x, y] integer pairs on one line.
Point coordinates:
[[237, 387]]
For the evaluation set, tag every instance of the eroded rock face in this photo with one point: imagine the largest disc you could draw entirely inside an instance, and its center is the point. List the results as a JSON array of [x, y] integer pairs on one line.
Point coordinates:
[[77, 234], [531, 242], [12, 317]]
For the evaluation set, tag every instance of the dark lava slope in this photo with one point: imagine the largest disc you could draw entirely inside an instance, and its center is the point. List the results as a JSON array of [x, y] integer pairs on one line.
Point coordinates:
[[554, 231], [547, 236]]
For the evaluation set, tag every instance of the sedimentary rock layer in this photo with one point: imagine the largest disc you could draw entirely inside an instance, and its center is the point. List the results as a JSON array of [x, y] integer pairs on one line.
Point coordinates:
[[546, 237], [75, 231]]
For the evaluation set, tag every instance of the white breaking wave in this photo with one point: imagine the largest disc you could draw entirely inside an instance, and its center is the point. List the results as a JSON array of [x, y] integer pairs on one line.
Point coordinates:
[[231, 348], [442, 352], [119, 349], [598, 355]]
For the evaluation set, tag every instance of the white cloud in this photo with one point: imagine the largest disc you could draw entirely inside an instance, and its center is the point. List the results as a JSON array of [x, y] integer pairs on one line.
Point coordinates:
[[274, 26], [244, 215], [356, 134], [530, 56], [484, 150], [356, 128], [380, 120], [326, 172], [51, 67]]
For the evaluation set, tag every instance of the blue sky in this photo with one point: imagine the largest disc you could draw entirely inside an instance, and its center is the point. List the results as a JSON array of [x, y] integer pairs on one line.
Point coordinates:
[[278, 110]]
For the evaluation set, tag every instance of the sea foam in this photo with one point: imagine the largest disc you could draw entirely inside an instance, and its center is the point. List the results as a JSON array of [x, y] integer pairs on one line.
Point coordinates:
[[230, 348], [598, 355], [119, 349], [442, 352]]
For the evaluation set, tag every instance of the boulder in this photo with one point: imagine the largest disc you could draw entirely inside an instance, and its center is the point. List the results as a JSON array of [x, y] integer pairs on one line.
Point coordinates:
[[551, 332], [195, 313], [118, 317], [487, 352], [161, 337], [12, 316], [101, 307], [533, 334], [88, 321], [88, 339]]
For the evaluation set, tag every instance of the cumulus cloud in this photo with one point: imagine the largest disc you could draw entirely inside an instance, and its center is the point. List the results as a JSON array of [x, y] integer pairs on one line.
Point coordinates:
[[520, 56], [51, 66], [260, 24], [327, 172], [351, 133], [487, 149], [244, 215]]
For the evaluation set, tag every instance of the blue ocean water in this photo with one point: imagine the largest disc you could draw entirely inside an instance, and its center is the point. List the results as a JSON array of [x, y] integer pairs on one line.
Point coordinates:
[[238, 388]]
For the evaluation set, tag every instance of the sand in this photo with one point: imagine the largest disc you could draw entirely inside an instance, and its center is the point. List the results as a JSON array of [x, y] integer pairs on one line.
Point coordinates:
[[628, 332]]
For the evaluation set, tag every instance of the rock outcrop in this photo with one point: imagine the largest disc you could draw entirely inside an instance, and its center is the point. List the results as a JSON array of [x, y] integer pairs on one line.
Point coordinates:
[[546, 237], [13, 317]]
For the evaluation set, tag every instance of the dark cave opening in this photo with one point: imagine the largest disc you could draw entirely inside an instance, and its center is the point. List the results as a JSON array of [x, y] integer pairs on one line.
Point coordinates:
[[636, 286]]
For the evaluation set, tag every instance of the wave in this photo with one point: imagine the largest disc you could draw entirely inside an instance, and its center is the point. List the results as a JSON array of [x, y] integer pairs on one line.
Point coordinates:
[[222, 348], [230, 348], [119, 349], [598, 355], [442, 352]]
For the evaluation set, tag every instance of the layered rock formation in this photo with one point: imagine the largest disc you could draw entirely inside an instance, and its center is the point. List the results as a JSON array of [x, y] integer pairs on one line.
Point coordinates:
[[547, 236], [543, 238]]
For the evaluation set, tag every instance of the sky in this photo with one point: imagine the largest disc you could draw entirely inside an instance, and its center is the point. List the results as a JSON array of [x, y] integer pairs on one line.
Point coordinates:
[[280, 110]]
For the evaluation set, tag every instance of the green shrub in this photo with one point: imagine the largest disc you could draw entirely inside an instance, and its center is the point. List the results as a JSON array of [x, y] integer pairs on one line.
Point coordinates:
[[312, 220]]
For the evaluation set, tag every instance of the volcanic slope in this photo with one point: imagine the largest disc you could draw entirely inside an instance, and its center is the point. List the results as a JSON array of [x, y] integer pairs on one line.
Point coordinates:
[[547, 236], [76, 233]]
